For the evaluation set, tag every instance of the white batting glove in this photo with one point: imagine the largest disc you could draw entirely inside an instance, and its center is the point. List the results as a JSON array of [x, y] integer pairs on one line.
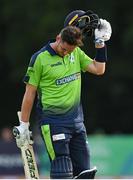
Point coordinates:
[[22, 134], [103, 33]]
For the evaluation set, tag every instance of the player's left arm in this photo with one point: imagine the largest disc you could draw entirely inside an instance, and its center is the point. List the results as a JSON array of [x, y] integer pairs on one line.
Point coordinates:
[[97, 68], [102, 34]]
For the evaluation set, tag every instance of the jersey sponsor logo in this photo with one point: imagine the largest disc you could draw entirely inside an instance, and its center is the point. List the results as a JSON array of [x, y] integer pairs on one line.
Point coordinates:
[[68, 79], [56, 64], [57, 137]]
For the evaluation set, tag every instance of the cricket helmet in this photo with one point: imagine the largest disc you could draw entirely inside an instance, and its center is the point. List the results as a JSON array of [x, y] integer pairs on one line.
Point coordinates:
[[87, 21]]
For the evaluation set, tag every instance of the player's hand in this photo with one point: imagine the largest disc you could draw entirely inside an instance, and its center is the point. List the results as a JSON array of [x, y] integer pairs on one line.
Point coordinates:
[[103, 33], [22, 134]]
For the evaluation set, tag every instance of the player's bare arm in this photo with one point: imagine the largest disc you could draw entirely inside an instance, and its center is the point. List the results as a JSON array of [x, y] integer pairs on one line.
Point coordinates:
[[27, 102], [97, 68], [24, 115]]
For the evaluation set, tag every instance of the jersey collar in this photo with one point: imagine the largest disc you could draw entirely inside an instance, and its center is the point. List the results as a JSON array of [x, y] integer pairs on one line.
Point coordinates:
[[50, 49]]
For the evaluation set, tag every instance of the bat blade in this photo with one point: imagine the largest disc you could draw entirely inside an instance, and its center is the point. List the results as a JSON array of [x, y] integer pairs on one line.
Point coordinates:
[[28, 157], [30, 166]]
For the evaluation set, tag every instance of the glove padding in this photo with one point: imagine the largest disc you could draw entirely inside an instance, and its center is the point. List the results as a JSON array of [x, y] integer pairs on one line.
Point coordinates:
[[103, 33], [22, 134]]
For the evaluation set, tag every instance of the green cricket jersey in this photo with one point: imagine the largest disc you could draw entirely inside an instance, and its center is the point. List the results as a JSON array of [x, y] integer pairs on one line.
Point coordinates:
[[58, 80]]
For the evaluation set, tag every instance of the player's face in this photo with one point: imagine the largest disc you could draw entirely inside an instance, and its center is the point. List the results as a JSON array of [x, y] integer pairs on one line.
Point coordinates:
[[64, 48]]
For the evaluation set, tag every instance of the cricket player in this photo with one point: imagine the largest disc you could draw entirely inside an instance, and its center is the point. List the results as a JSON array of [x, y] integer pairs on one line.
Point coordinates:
[[54, 74]]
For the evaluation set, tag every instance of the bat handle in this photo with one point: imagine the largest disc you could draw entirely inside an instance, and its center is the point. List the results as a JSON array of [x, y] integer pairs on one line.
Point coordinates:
[[15, 131]]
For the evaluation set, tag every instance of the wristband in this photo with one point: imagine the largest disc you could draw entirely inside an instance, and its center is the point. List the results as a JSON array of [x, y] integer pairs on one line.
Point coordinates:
[[101, 54]]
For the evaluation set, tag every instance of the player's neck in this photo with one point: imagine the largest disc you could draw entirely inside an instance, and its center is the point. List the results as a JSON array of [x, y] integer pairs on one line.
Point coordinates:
[[54, 46]]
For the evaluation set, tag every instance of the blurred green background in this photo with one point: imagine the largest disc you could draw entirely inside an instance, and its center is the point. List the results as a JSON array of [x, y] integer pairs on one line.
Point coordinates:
[[112, 155], [26, 26]]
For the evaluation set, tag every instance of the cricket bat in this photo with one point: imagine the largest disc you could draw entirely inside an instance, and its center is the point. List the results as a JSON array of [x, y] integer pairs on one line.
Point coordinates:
[[30, 166], [28, 157]]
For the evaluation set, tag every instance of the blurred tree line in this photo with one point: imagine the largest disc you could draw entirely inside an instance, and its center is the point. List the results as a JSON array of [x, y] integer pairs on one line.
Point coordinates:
[[25, 26]]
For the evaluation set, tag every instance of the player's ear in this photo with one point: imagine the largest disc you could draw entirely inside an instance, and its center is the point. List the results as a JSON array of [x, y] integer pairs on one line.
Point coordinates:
[[58, 38]]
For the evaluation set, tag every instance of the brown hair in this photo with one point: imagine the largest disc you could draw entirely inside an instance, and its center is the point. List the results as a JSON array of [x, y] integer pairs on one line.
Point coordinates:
[[72, 35]]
